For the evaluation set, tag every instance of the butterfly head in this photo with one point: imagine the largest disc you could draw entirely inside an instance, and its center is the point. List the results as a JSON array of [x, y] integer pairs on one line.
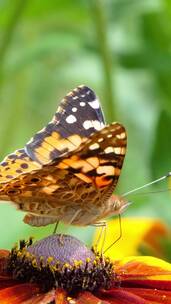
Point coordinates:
[[118, 204]]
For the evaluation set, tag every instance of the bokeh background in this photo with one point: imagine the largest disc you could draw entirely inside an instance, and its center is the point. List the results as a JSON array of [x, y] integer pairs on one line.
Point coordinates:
[[121, 49]]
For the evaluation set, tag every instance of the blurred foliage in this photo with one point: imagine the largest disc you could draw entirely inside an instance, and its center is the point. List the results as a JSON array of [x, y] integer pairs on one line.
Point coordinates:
[[120, 48]]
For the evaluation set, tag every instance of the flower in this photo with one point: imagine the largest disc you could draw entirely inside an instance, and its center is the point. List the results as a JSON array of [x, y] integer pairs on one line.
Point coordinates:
[[140, 235], [61, 269]]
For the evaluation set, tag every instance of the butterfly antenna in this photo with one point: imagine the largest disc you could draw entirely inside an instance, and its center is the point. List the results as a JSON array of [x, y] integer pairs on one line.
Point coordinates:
[[146, 185]]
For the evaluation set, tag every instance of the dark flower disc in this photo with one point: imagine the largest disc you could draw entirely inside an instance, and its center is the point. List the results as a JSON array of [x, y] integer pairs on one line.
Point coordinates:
[[60, 261], [62, 248]]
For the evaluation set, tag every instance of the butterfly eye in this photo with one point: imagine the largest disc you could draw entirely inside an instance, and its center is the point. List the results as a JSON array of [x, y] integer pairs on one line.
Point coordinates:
[[116, 205]]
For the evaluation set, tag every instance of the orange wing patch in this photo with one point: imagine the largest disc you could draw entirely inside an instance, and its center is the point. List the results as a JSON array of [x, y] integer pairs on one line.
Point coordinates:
[[16, 164], [52, 144], [99, 160]]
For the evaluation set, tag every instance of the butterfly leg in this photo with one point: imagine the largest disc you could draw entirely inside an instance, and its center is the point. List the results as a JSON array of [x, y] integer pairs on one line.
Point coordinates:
[[69, 223], [119, 237], [56, 227], [103, 226]]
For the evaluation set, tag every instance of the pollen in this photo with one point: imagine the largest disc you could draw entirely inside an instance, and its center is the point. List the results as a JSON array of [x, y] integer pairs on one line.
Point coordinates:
[[63, 261]]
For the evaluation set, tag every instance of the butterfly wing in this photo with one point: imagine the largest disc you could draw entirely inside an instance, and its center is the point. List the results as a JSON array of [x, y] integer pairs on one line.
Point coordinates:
[[99, 160], [78, 116], [15, 164], [82, 181]]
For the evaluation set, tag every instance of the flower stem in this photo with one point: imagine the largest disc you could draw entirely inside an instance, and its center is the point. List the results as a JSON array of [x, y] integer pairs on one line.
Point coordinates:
[[106, 57], [10, 29]]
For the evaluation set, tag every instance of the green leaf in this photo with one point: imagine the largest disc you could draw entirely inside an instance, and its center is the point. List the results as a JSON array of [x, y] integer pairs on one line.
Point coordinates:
[[161, 154]]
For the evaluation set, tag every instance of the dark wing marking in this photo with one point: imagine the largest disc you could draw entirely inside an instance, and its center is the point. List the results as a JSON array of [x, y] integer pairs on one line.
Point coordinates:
[[99, 160], [78, 116], [16, 164]]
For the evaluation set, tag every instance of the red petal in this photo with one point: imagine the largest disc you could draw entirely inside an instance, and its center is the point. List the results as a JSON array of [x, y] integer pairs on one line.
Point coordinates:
[[122, 296], [4, 253], [61, 297], [153, 295], [3, 258], [6, 281], [18, 293], [88, 298], [155, 284], [82, 298], [136, 295], [42, 299]]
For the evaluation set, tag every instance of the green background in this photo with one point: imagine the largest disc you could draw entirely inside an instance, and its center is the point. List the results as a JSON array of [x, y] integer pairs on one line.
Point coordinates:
[[121, 49]]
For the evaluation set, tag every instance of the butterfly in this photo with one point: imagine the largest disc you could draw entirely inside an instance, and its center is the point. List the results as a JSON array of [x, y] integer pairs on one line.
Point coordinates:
[[68, 171]]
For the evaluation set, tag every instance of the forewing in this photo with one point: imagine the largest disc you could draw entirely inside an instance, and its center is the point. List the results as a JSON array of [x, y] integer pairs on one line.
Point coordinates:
[[78, 116], [15, 164]]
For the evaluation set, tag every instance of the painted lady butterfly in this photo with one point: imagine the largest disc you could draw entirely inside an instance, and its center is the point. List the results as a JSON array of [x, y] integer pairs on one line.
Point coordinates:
[[68, 171]]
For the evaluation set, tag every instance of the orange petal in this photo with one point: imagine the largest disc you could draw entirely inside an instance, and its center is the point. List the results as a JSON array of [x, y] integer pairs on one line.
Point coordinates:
[[18, 293], [7, 282], [61, 297], [4, 253], [5, 279], [144, 272], [140, 294], [142, 267], [42, 299], [87, 298], [136, 296], [152, 295], [3, 257]]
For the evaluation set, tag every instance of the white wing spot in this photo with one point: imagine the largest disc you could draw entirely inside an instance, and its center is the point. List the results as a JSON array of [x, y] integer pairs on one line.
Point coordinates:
[[71, 119], [94, 104], [82, 104], [109, 150], [100, 139], [97, 125], [87, 124], [107, 170], [110, 135], [94, 146], [117, 150], [121, 135], [75, 97], [83, 95], [74, 109]]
